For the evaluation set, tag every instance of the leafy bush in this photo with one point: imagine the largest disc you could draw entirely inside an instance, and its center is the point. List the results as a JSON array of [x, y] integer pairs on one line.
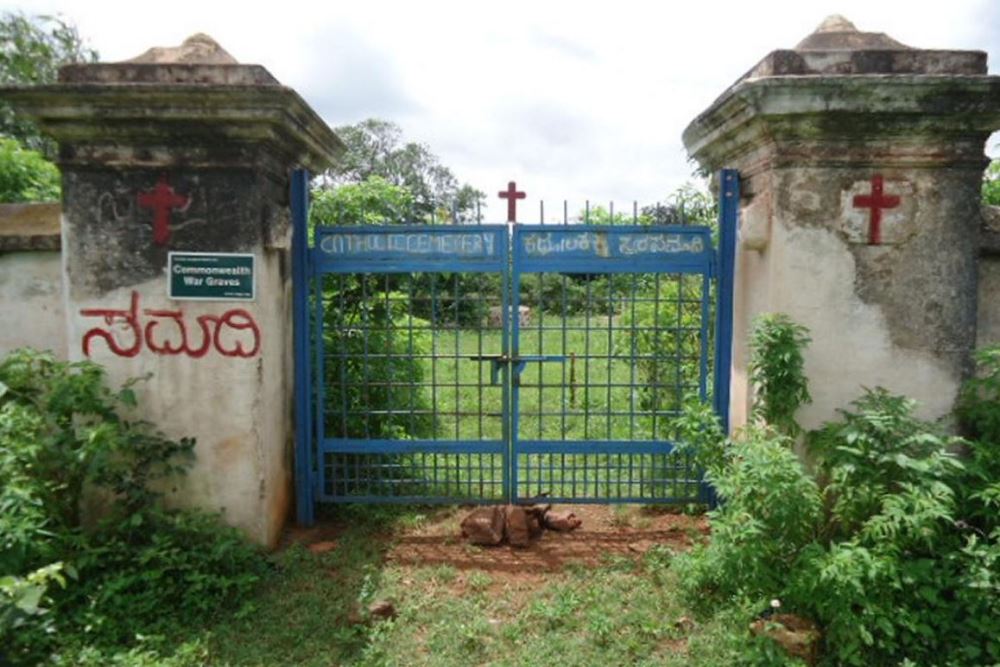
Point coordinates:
[[769, 511], [892, 543], [880, 451], [979, 401], [374, 382], [141, 569], [26, 176], [155, 572], [776, 370], [661, 331], [23, 613]]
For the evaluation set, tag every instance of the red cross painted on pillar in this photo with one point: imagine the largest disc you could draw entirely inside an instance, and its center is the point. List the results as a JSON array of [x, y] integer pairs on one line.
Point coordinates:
[[875, 202], [162, 199], [511, 195]]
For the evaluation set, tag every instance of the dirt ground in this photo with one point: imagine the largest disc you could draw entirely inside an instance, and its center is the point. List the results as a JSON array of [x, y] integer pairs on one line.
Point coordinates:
[[607, 531]]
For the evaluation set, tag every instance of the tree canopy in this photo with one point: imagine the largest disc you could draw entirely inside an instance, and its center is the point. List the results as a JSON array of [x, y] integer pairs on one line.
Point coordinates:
[[376, 147], [32, 49], [25, 175]]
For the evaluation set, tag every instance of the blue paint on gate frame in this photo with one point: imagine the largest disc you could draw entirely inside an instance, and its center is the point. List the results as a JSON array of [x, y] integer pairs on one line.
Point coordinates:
[[485, 248]]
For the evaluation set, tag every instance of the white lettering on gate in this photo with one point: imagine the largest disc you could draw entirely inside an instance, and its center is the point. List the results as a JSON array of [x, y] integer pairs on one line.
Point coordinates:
[[543, 244], [658, 244], [412, 243]]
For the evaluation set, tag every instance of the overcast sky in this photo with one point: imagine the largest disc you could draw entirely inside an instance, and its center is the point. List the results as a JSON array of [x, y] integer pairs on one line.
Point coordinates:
[[571, 99]]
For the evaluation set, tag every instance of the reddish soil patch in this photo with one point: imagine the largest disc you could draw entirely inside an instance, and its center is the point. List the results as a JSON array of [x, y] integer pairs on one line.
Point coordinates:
[[606, 532]]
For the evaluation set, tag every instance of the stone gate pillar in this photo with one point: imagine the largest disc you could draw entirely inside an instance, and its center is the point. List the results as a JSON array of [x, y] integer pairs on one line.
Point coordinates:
[[183, 150], [861, 161]]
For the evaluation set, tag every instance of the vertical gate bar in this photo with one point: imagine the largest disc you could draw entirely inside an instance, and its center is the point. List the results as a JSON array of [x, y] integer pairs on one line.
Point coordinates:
[[586, 370], [414, 385], [572, 379], [457, 306], [365, 336], [679, 344], [319, 373], [390, 351], [458, 401], [706, 296], [632, 366], [540, 351], [609, 281], [434, 384], [729, 202], [343, 354], [305, 501], [511, 300], [479, 388], [632, 386], [655, 407]]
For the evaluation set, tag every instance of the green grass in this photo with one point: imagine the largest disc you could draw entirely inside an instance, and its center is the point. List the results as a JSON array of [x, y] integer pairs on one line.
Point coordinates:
[[625, 611], [589, 391], [558, 400]]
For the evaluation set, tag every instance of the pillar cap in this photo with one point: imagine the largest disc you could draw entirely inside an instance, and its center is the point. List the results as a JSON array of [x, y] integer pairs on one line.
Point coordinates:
[[190, 105], [837, 47], [844, 96]]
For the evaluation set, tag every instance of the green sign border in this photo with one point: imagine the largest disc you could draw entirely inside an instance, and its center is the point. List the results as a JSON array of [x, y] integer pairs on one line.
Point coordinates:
[[184, 253]]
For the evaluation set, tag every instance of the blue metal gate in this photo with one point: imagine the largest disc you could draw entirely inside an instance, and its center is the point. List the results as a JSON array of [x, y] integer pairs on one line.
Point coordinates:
[[490, 363]]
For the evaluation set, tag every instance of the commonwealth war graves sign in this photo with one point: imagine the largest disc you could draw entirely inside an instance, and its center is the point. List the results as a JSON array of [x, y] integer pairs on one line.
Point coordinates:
[[215, 276]]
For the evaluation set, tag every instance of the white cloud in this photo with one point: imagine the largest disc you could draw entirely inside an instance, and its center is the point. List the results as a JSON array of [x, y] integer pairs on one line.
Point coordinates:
[[573, 100]]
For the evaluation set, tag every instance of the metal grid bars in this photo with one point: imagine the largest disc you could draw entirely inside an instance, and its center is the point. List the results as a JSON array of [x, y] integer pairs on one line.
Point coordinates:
[[505, 363], [411, 406], [609, 357], [618, 338]]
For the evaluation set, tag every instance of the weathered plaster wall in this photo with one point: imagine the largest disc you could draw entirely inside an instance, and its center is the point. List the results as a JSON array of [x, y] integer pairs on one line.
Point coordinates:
[[186, 150], [862, 161], [31, 297], [31, 293], [241, 418], [892, 315]]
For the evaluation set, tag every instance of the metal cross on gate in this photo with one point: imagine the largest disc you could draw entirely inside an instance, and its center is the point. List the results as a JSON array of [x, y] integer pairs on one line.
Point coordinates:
[[876, 201], [511, 195]]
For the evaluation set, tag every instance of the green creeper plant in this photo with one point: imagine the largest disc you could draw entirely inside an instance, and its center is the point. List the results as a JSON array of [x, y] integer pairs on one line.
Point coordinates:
[[777, 371]]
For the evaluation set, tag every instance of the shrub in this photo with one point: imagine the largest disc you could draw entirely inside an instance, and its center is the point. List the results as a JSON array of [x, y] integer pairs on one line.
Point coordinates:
[[892, 544], [979, 400], [769, 511], [374, 382], [662, 333], [142, 569], [23, 614], [26, 176], [131, 572]]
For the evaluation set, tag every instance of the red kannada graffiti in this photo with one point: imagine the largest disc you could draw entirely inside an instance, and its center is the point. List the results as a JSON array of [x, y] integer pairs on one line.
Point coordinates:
[[212, 328]]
